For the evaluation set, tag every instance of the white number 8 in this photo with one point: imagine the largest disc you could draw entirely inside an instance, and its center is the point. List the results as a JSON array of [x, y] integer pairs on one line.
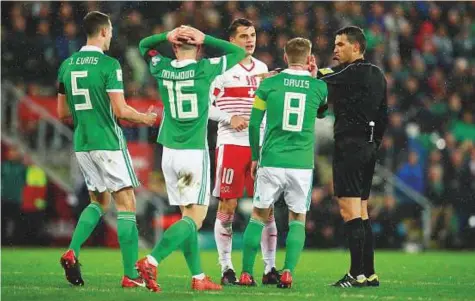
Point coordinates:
[[288, 110]]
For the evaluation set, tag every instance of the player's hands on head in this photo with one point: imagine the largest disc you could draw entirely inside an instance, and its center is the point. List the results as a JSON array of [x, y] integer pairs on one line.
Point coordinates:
[[191, 35], [173, 36], [150, 117], [253, 169], [312, 66], [239, 123]]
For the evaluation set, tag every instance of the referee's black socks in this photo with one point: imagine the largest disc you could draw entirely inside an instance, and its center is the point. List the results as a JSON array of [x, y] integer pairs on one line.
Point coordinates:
[[356, 236], [368, 250]]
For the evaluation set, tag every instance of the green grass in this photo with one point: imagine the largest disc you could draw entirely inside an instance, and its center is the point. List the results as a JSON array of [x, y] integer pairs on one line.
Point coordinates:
[[35, 274]]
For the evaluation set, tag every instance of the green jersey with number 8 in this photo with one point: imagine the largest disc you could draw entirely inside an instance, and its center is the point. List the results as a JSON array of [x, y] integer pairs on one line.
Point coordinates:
[[292, 100], [184, 89], [87, 77]]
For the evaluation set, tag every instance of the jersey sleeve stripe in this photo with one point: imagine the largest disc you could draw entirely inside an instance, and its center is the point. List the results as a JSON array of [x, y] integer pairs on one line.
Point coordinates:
[[224, 64], [115, 90], [259, 104]]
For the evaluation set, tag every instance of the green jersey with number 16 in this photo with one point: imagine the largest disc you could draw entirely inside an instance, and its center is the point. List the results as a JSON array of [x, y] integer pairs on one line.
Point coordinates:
[[292, 101], [184, 89], [87, 76]]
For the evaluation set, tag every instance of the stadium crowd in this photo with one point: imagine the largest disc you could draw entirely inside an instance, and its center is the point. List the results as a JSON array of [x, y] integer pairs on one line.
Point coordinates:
[[425, 49]]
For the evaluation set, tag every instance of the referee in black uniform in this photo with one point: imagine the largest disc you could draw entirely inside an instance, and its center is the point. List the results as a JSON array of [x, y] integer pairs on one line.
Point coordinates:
[[357, 90]]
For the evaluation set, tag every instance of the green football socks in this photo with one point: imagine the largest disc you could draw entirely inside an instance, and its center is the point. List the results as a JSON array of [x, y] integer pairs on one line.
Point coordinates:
[[173, 238], [294, 244], [128, 236], [88, 220], [252, 240]]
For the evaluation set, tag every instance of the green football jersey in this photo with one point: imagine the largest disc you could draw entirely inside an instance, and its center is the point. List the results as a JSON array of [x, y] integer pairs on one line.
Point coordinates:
[[291, 101], [87, 76], [184, 88]]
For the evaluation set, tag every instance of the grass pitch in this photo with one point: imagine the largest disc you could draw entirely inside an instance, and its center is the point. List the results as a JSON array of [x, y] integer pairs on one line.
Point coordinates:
[[35, 274]]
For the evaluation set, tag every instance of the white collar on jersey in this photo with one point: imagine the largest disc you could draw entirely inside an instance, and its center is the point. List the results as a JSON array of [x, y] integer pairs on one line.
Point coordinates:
[[91, 48], [181, 64], [297, 72]]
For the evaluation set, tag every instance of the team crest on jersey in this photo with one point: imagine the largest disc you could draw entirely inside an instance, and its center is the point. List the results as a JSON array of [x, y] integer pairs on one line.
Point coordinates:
[[326, 71], [119, 74], [215, 60], [155, 60]]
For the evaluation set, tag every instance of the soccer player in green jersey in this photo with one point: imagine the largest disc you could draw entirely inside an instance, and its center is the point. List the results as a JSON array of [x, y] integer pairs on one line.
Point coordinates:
[[91, 91], [292, 100], [184, 85]]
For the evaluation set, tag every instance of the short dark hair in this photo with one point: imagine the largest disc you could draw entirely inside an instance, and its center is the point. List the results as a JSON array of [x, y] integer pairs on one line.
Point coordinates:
[[94, 21], [354, 34], [239, 22]]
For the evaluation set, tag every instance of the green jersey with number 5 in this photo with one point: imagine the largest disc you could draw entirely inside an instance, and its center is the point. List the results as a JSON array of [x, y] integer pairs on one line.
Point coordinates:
[[292, 100], [184, 89], [87, 76]]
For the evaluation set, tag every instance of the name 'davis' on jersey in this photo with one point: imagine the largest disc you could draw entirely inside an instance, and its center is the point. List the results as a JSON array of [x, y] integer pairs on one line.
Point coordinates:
[[296, 83], [178, 75]]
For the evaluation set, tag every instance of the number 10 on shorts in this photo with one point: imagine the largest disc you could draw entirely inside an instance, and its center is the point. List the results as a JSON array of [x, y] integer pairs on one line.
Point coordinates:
[[228, 175]]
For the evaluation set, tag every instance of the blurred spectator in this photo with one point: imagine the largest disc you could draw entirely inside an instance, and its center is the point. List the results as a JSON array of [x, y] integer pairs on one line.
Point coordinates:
[[387, 227], [68, 42], [13, 182], [441, 215]]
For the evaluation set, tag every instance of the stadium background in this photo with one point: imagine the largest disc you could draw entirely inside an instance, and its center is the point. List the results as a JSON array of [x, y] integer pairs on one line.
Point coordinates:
[[424, 190]]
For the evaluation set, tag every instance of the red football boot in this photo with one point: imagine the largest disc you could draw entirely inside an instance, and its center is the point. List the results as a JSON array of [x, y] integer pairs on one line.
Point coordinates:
[[246, 280], [148, 273], [132, 283], [205, 285], [72, 268], [285, 280]]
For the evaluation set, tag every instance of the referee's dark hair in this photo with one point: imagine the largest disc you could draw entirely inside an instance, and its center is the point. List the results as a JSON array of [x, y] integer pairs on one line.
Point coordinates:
[[94, 21], [238, 22], [354, 34]]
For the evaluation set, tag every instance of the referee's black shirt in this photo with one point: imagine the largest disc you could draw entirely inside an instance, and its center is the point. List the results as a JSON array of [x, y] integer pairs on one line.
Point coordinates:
[[358, 93]]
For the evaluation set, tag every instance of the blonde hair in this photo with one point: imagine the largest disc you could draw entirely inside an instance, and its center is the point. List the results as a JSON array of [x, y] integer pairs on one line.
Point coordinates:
[[297, 50]]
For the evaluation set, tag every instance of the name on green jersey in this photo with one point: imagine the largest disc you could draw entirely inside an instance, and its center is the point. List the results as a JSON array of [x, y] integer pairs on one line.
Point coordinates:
[[297, 83], [88, 60], [178, 75]]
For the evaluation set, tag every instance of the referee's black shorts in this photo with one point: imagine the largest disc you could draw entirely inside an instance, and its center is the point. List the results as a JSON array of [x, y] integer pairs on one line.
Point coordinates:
[[354, 160]]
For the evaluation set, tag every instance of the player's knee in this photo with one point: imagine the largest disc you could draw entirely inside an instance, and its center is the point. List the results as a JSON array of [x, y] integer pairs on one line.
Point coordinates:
[[227, 206], [198, 222], [104, 204]]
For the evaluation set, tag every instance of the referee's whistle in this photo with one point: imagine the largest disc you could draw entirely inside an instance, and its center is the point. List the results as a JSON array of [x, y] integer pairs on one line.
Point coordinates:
[[371, 125]]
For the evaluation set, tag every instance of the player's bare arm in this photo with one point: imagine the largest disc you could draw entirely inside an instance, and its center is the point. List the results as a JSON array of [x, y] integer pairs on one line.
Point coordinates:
[[62, 108], [123, 111]]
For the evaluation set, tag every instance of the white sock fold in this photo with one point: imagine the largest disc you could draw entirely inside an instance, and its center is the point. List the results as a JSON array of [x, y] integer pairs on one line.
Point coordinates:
[[223, 235], [199, 276], [269, 244], [152, 260]]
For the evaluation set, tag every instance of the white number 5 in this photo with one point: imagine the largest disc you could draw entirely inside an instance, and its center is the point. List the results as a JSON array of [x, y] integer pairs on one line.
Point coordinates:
[[80, 92]]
